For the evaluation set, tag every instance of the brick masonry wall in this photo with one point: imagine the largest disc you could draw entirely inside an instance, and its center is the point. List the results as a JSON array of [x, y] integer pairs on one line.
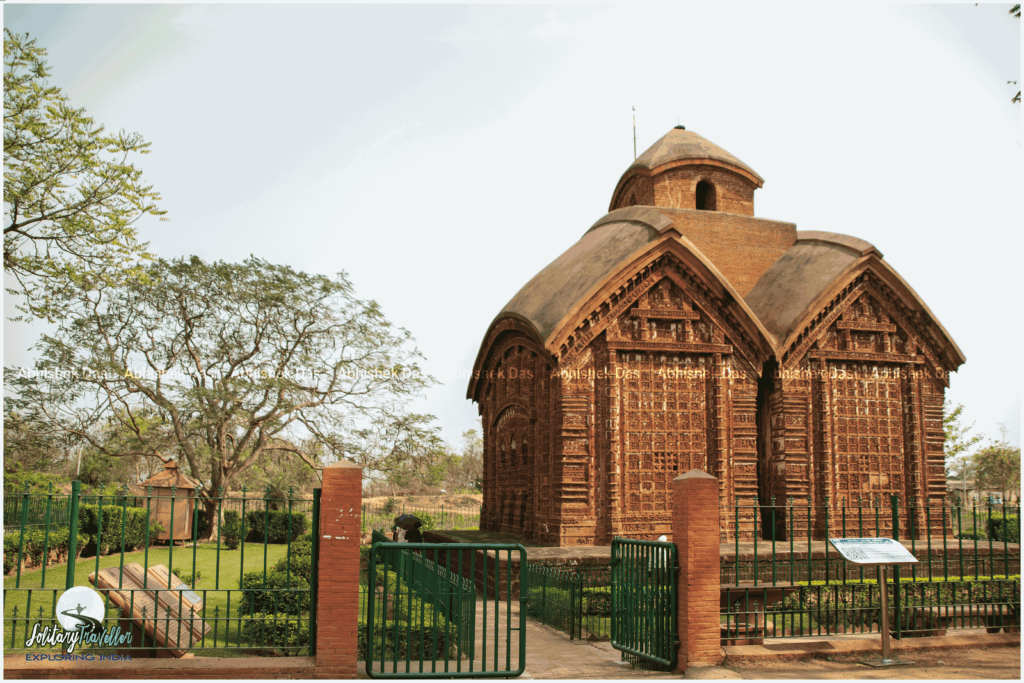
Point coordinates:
[[695, 534], [741, 247], [677, 188], [337, 611]]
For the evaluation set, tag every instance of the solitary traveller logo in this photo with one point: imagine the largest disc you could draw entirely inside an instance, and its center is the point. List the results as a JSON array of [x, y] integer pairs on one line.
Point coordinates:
[[80, 614]]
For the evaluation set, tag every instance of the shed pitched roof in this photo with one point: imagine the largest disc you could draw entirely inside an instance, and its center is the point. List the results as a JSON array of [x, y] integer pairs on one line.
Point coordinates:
[[171, 476]]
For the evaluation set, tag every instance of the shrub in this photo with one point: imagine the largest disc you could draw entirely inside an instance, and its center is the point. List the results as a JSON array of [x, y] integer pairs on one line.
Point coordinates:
[[390, 505], [1004, 528], [407, 637], [272, 526], [283, 635], [304, 548], [408, 619], [297, 565], [231, 529], [36, 544], [427, 519], [135, 522], [279, 594], [188, 578], [16, 478], [838, 606]]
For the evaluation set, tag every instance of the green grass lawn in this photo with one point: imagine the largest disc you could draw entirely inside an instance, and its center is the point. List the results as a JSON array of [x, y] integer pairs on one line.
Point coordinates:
[[221, 598]]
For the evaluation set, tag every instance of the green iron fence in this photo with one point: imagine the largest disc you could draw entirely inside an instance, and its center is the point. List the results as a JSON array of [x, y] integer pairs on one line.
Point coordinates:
[[424, 618], [245, 585], [575, 600], [644, 575], [783, 579], [452, 517]]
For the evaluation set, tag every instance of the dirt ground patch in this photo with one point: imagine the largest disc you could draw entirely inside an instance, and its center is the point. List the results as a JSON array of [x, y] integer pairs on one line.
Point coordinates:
[[978, 663]]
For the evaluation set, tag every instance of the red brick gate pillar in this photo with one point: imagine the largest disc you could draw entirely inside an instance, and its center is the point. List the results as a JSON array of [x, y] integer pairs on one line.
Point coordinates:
[[337, 613], [695, 533]]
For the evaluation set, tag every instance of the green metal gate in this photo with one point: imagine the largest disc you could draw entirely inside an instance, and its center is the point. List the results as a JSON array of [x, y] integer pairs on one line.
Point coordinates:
[[644, 602], [425, 619]]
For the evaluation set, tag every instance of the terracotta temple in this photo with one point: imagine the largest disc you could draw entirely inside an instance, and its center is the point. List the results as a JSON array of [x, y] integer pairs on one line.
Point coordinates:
[[682, 332]]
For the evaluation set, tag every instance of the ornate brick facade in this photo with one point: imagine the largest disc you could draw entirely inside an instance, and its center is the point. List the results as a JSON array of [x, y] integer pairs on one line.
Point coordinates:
[[683, 333]]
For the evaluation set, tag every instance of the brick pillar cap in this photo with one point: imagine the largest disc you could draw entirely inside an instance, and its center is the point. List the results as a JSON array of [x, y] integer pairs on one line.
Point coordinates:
[[343, 463], [695, 474]]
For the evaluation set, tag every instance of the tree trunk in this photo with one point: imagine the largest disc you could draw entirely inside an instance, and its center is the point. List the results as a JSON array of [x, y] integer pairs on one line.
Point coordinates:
[[212, 505]]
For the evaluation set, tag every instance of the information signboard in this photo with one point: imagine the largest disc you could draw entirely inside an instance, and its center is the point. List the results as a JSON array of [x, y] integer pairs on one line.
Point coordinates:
[[873, 551], [880, 552]]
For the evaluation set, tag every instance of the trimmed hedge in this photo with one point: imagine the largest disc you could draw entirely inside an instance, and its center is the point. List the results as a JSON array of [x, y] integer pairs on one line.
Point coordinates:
[[135, 522], [841, 605], [280, 593], [284, 635], [36, 543], [275, 525]]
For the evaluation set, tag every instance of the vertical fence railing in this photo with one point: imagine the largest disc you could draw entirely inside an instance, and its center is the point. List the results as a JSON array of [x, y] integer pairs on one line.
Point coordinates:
[[168, 566], [441, 517], [968, 575], [643, 577], [424, 618]]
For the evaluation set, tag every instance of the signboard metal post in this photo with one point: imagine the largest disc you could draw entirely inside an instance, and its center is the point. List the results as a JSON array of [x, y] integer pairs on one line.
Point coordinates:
[[880, 552]]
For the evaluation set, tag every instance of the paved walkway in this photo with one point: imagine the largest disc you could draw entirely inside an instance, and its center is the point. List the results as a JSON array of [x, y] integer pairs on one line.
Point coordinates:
[[549, 653]]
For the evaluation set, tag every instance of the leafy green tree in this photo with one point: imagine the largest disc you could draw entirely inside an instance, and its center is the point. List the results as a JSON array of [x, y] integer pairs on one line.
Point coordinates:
[[31, 443], [221, 365], [997, 467], [400, 456], [71, 195], [958, 440], [465, 469]]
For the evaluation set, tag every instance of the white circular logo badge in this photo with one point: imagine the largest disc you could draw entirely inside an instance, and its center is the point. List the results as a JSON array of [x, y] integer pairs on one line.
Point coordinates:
[[80, 605]]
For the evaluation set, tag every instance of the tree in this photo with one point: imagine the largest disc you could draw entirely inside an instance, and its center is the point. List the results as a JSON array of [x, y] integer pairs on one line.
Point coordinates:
[[997, 467], [221, 365], [465, 470], [71, 196], [400, 456], [30, 443], [957, 440]]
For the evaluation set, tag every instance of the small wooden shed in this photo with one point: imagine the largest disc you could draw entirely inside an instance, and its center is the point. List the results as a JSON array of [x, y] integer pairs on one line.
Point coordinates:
[[184, 502]]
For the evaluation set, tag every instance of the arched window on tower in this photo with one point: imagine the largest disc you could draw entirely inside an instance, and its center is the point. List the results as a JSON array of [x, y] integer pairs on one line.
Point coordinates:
[[515, 461], [706, 196], [524, 453]]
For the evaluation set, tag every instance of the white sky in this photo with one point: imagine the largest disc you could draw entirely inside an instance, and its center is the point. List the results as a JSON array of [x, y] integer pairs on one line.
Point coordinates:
[[442, 155]]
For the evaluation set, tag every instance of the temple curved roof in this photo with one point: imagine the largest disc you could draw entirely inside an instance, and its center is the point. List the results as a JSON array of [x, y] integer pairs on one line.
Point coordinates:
[[680, 144], [553, 292], [791, 291], [791, 284]]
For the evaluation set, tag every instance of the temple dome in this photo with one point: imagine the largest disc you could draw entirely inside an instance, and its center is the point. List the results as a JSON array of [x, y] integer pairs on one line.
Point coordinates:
[[681, 145], [684, 170]]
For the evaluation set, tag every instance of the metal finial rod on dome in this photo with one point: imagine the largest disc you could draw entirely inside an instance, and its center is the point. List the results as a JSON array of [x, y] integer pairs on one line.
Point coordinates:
[[634, 133]]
